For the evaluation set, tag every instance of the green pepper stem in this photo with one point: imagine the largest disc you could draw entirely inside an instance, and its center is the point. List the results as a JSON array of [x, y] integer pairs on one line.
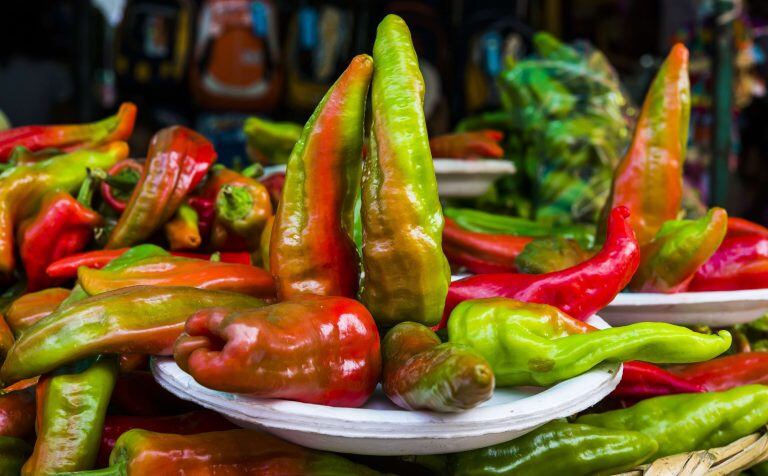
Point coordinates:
[[85, 194], [233, 203]]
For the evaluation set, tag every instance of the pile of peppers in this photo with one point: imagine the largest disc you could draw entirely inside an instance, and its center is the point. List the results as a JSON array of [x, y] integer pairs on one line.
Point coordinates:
[[287, 290]]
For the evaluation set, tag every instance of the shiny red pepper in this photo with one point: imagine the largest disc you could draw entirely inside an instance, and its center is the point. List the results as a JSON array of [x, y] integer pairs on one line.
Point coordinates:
[[579, 291], [642, 380], [63, 226], [741, 262], [70, 137], [481, 252], [724, 373], [206, 214], [740, 226]]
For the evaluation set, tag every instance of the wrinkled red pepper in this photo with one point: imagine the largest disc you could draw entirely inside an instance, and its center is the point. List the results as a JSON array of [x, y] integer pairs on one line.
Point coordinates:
[[579, 291], [63, 226], [724, 373], [468, 145], [740, 226], [71, 136], [741, 262], [481, 252], [642, 380]]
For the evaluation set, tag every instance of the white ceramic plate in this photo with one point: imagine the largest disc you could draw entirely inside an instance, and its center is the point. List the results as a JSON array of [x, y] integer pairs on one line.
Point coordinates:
[[456, 177], [381, 428], [716, 308]]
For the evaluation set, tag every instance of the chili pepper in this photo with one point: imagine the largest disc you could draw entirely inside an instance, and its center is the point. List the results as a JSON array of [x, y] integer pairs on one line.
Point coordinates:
[[551, 254], [311, 247], [670, 260], [649, 179], [17, 413], [559, 447], [70, 137], [468, 145], [139, 319], [177, 160], [176, 271], [71, 405], [182, 231], [63, 226], [220, 452], [726, 372], [270, 142], [277, 351], [641, 380], [481, 252], [421, 373], [13, 453], [274, 183], [741, 262], [691, 421], [200, 421], [244, 211], [31, 307], [126, 172], [22, 187], [137, 393], [406, 273], [740, 226], [579, 291], [20, 155], [537, 344]]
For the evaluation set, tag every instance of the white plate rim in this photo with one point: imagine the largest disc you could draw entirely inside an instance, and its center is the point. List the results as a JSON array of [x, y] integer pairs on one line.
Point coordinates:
[[704, 297]]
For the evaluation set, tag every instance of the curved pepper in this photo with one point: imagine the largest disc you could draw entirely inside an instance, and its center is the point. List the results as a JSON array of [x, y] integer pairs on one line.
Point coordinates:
[[641, 380], [421, 373], [559, 448], [23, 186], [649, 179], [71, 405], [63, 226], [315, 349], [670, 260], [70, 137], [579, 291], [693, 421], [536, 344], [406, 273], [741, 262], [175, 271], [311, 248], [547, 255], [481, 252], [468, 145], [126, 173], [139, 319], [177, 160], [183, 232], [30, 308], [13, 453], [727, 372], [17, 413]]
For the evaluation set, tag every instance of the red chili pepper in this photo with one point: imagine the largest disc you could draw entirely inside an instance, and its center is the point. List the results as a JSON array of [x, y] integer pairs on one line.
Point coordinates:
[[579, 291], [274, 183], [726, 372], [63, 226], [200, 421], [741, 262], [481, 252], [206, 213], [112, 196], [66, 268], [739, 227], [72, 136], [468, 145], [642, 380]]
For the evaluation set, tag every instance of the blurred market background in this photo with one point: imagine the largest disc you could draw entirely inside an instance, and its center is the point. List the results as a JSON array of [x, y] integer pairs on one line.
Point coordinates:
[[566, 108]]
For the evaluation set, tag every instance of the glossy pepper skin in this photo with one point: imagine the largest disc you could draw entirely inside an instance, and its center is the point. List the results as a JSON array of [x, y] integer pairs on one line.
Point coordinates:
[[741, 262], [22, 188], [311, 247], [406, 273], [6, 338], [70, 137], [71, 405], [726, 372], [139, 319], [183, 231], [740, 226], [315, 349], [177, 271], [468, 145], [17, 413], [649, 179], [177, 160], [536, 344], [199, 421], [481, 252], [13, 453], [559, 447], [30, 308], [641, 380], [672, 258], [62, 227], [232, 452], [692, 421], [579, 291], [550, 254], [421, 373]]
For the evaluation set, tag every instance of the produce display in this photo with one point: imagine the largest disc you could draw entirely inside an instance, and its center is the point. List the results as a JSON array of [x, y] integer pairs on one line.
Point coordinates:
[[332, 284]]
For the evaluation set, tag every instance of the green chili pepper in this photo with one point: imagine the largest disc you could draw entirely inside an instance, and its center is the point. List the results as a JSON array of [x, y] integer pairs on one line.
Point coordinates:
[[270, 142], [406, 273], [13, 453], [559, 448], [536, 344], [691, 421]]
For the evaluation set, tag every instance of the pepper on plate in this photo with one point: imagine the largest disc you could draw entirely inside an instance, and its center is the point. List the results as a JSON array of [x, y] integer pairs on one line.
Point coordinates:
[[422, 373], [468, 145], [537, 344], [311, 249], [641, 380], [725, 373], [481, 252], [314, 349], [740, 262], [406, 274]]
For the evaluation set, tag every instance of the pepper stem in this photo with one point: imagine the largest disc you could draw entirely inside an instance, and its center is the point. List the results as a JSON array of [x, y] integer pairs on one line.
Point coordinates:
[[85, 194], [233, 203]]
